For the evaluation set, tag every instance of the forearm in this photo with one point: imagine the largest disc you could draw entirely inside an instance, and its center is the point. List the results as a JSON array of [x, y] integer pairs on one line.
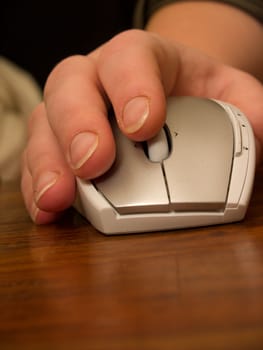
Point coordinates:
[[221, 31]]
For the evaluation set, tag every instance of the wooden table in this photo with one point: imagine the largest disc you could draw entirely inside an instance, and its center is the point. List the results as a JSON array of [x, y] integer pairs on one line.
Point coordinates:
[[66, 286]]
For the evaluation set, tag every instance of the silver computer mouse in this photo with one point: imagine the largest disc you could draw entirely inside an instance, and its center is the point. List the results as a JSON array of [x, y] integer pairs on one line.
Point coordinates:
[[198, 171]]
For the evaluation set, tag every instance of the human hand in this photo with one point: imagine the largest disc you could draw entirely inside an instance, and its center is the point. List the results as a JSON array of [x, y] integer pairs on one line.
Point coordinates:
[[69, 133]]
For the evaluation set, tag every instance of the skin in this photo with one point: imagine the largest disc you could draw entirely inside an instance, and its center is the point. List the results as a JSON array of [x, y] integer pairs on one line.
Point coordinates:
[[135, 72]]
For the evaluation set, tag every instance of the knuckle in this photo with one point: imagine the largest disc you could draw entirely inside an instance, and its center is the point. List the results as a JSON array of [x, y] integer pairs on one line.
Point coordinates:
[[130, 35], [59, 72], [121, 41]]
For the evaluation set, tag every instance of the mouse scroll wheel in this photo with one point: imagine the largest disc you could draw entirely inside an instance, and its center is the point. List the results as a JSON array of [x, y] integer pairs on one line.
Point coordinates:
[[158, 148]]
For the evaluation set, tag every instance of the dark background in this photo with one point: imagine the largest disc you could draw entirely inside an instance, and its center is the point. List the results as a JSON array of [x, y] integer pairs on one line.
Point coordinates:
[[38, 35]]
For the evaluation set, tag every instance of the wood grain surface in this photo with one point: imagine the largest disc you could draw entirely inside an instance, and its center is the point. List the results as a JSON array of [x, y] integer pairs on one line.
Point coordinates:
[[67, 286]]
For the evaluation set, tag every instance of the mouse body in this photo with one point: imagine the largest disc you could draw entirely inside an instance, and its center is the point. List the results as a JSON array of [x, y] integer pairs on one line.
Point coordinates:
[[198, 171]]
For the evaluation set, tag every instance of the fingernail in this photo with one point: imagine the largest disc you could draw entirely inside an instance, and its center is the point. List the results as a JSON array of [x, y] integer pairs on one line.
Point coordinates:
[[82, 148], [135, 114], [44, 182]]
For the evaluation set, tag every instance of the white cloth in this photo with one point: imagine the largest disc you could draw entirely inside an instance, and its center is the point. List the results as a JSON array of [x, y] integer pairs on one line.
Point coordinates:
[[19, 94]]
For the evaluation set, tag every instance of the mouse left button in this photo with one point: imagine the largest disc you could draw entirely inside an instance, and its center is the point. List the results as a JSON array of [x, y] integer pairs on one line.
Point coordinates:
[[134, 184]]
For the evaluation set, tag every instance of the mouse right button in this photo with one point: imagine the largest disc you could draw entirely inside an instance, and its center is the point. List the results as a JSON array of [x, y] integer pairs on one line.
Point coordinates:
[[199, 168]]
